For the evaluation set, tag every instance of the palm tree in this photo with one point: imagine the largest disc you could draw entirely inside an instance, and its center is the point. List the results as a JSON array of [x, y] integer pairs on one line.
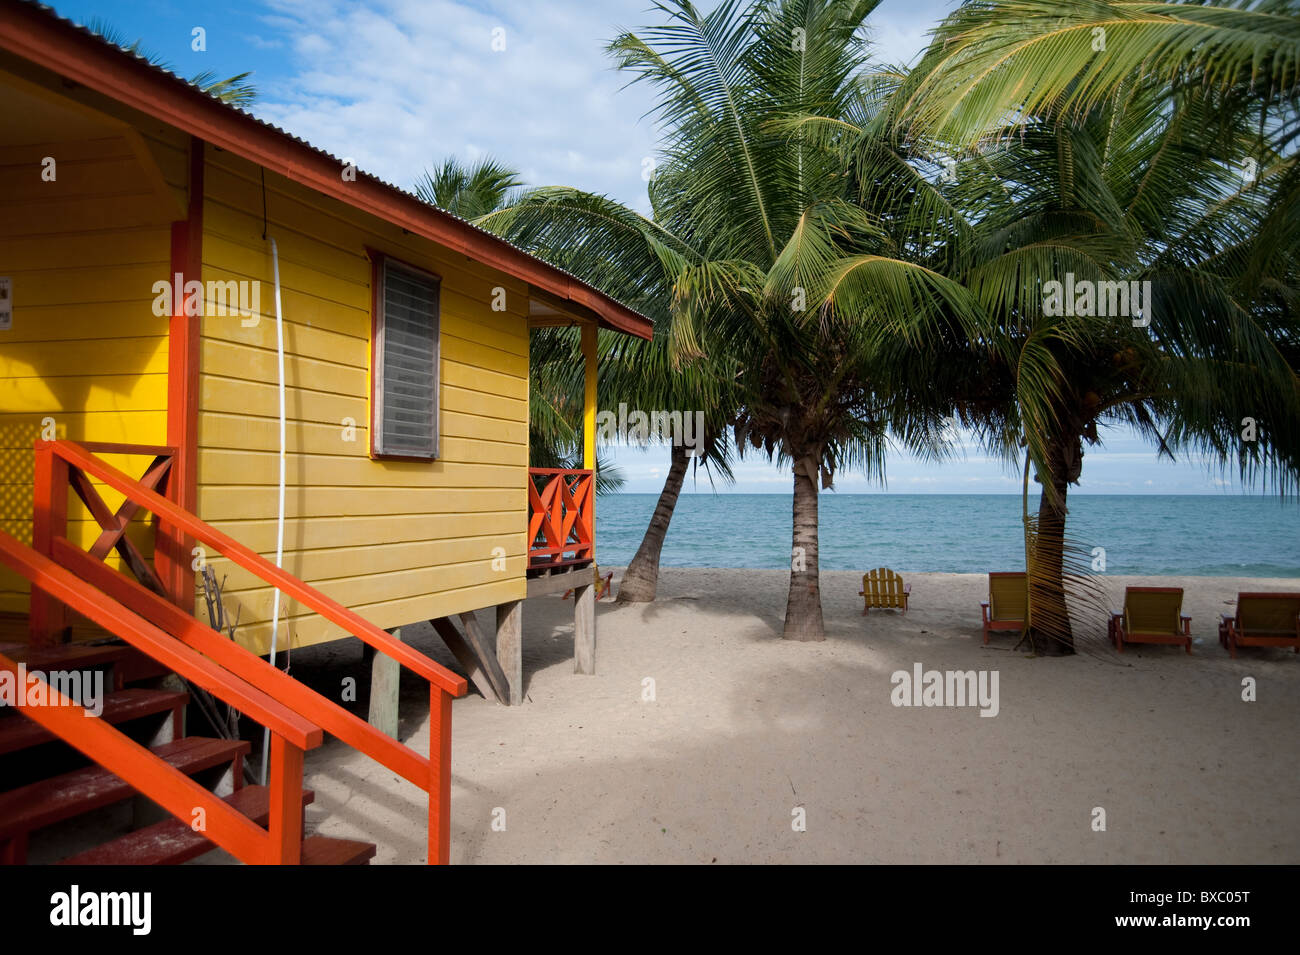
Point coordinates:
[[769, 266], [614, 248], [1113, 176], [470, 192]]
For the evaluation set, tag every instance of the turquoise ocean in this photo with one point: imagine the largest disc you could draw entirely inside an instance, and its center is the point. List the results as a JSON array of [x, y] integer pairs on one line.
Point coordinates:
[[1210, 535]]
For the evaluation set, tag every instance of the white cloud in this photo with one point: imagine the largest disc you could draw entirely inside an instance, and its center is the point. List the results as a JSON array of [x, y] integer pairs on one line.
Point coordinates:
[[399, 84]]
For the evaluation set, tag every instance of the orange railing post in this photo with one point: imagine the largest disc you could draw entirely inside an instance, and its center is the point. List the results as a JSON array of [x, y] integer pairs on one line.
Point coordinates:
[[285, 820], [48, 617], [440, 777]]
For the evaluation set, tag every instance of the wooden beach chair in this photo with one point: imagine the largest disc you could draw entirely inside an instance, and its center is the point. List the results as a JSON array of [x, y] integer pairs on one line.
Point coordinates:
[[885, 590], [1262, 620], [1008, 602], [602, 584], [1151, 615]]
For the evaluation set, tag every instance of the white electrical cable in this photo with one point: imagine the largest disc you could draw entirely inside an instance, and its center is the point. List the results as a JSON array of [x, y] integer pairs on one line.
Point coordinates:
[[279, 530]]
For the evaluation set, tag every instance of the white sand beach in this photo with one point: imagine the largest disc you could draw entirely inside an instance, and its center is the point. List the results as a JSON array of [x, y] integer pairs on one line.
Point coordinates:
[[745, 728]]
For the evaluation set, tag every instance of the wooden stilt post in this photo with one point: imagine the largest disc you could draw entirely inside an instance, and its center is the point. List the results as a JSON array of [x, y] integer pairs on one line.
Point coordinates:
[[385, 681], [584, 628], [510, 648]]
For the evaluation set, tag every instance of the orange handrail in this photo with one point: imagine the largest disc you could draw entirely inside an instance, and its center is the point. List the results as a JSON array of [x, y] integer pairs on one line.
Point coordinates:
[[191, 632], [144, 636], [251, 561], [163, 783], [432, 774], [136, 765]]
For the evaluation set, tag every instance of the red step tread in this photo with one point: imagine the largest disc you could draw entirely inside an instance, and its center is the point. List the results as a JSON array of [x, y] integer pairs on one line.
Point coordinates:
[[68, 656], [172, 841], [322, 850], [52, 800], [17, 732]]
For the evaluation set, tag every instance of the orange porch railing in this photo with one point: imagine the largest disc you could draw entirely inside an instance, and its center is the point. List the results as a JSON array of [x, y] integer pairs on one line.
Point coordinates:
[[561, 525], [64, 574]]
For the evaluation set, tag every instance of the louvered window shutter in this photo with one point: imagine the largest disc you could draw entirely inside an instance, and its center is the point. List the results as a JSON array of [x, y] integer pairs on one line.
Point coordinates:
[[406, 356]]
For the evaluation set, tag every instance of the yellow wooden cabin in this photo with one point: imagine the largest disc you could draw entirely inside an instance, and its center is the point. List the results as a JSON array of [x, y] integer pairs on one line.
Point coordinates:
[[118, 177], [157, 248]]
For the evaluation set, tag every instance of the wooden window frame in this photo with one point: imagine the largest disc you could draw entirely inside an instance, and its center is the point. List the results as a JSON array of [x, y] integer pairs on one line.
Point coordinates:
[[379, 264]]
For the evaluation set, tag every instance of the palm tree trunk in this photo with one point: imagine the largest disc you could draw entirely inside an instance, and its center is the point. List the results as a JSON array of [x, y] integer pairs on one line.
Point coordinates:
[[641, 580], [803, 606], [1051, 632]]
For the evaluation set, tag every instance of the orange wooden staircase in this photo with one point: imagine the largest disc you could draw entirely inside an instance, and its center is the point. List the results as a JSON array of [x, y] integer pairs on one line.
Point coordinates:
[[179, 773]]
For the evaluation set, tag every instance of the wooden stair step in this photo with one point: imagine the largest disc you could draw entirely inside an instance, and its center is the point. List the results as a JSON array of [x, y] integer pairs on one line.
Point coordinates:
[[52, 800], [68, 656], [120, 706], [322, 850], [172, 841]]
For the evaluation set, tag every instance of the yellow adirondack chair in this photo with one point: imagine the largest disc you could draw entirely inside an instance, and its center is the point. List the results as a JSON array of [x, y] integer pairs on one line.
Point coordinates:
[[1262, 620], [1008, 602], [884, 589], [1151, 615]]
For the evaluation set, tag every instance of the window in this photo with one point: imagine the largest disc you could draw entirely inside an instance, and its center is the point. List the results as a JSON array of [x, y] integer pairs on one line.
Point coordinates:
[[404, 399]]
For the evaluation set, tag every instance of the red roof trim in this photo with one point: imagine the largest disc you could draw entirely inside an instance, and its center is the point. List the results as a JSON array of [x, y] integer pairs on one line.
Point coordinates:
[[40, 37]]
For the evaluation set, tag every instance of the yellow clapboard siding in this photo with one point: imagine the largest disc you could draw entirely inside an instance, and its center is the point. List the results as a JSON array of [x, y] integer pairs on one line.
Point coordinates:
[[72, 322], [255, 398], [21, 430], [118, 176], [433, 558], [300, 339], [247, 433], [244, 467], [234, 183], [231, 503], [345, 310], [107, 392], [259, 535], [482, 403], [321, 248], [19, 159], [480, 379], [347, 283], [69, 283], [38, 217], [87, 249], [229, 396], [171, 155], [307, 629], [370, 588], [231, 360], [143, 356]]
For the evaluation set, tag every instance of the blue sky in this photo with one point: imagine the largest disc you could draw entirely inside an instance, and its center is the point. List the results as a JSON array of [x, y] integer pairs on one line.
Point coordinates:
[[397, 85]]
